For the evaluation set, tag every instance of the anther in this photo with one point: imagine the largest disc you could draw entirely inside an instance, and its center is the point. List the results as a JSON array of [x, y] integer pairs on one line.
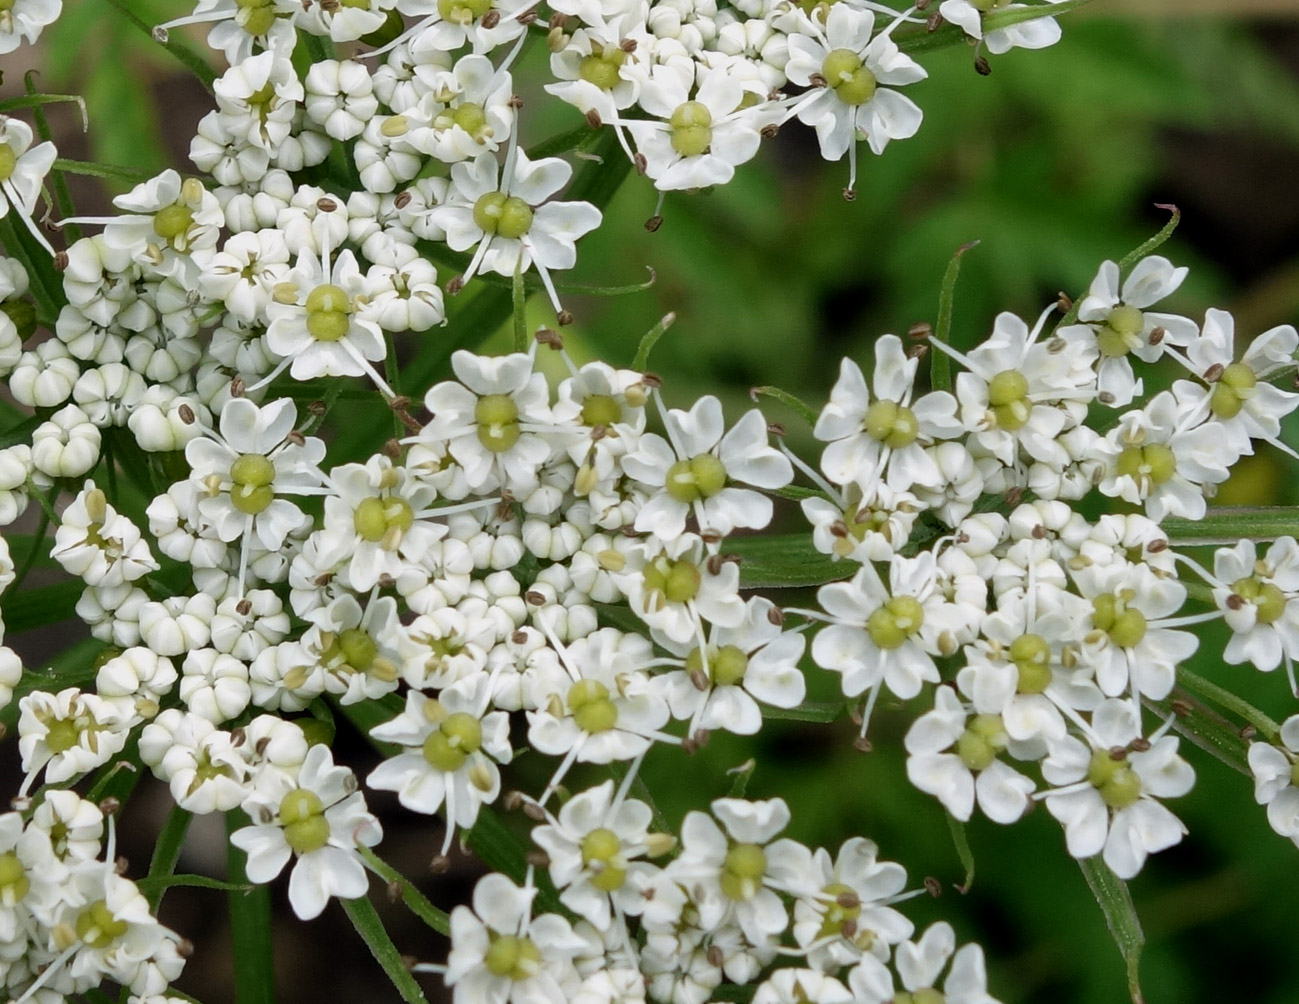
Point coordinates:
[[920, 330]]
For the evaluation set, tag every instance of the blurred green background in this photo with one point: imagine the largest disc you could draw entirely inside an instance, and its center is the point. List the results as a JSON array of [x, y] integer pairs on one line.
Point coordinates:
[[1054, 162]]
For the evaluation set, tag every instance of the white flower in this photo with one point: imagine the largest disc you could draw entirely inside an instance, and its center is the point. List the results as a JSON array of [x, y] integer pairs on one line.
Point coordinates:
[[696, 468], [23, 167], [1276, 779], [804, 985], [319, 821], [1259, 600], [24, 21], [99, 544], [673, 586], [258, 99], [339, 97], [1036, 33], [70, 733], [919, 965]]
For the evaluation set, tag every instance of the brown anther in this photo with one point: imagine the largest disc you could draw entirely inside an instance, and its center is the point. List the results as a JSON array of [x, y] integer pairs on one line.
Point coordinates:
[[528, 17], [109, 805], [1063, 302], [839, 529], [184, 948], [1156, 546], [60, 261], [776, 616], [329, 5], [512, 800], [1139, 745], [296, 438], [550, 338], [519, 637], [326, 205], [394, 891], [776, 429], [317, 409], [922, 4], [710, 537], [593, 119], [981, 66], [491, 19], [237, 387], [1248, 732], [238, 737], [323, 579], [534, 811], [399, 403], [121, 866], [535, 598], [1214, 373], [817, 80], [439, 865], [933, 886], [652, 380], [689, 746], [1039, 532], [243, 608], [1014, 495], [392, 449], [1056, 345], [538, 859], [699, 678], [1105, 397], [1118, 753], [701, 738], [1236, 602], [716, 958], [402, 200], [186, 414], [628, 45], [564, 318], [920, 330], [917, 351], [1157, 336], [640, 163], [848, 900], [654, 222], [849, 195], [849, 929], [455, 285], [863, 745], [769, 131], [598, 432], [20, 803], [934, 21], [385, 580], [714, 564]]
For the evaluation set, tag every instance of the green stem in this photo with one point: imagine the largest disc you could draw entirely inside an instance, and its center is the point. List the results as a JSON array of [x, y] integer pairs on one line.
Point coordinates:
[[250, 927], [1227, 525], [362, 914], [166, 852], [38, 539], [940, 364], [419, 903], [1231, 702], [192, 61]]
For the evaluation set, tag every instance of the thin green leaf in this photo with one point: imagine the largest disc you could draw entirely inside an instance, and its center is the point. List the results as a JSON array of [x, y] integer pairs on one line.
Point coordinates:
[[166, 852], [519, 308], [33, 100], [33, 608], [741, 776], [1115, 901], [583, 289], [962, 844], [250, 926], [20, 433], [362, 914], [805, 411], [118, 778], [365, 715], [940, 363], [1227, 700], [154, 886], [1205, 728], [916, 39], [819, 712], [419, 903], [575, 139], [38, 548], [130, 175], [192, 60], [1133, 256], [1228, 524], [784, 560], [650, 339]]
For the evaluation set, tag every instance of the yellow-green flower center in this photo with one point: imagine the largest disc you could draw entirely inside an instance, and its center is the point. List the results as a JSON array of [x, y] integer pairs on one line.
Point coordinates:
[[512, 957], [1008, 399], [498, 422], [97, 927], [1153, 464], [1125, 625], [845, 908], [377, 517], [984, 737], [600, 409], [897, 620], [742, 871], [925, 995], [1269, 602], [668, 581], [504, 215], [1031, 655], [892, 424], [458, 736], [695, 479], [8, 162], [14, 883], [251, 476], [852, 81], [593, 709], [302, 814], [256, 17], [600, 849], [1234, 387], [602, 66], [1121, 332], [328, 310], [1117, 782], [691, 124], [726, 665], [171, 222], [62, 734]]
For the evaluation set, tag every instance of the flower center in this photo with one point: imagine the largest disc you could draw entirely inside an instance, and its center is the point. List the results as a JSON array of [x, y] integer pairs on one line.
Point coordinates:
[[1268, 600], [742, 871], [459, 735], [62, 734], [852, 82], [302, 814], [1153, 464], [328, 308], [512, 957], [172, 221], [695, 479], [8, 162], [376, 519], [1008, 398], [251, 476], [97, 927], [503, 215], [1121, 332], [668, 581], [1233, 389], [892, 624], [692, 128], [600, 409], [14, 883], [593, 709], [1117, 782], [892, 424], [1125, 625], [984, 737], [925, 995], [726, 665], [601, 850], [602, 66], [845, 908], [1031, 655], [256, 17], [498, 421]]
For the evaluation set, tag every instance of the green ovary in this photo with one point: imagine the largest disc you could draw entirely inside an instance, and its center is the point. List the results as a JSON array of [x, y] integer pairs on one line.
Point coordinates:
[[853, 83], [695, 479], [503, 215], [1154, 463], [512, 957], [1233, 389], [600, 409], [1117, 782], [602, 66], [691, 125], [742, 871], [892, 624], [375, 517], [1269, 602], [674, 581], [8, 162], [171, 222], [601, 848], [14, 883], [256, 17], [926, 995], [328, 310], [302, 814], [1031, 655], [1008, 399], [1125, 625], [498, 422], [892, 424], [593, 709], [97, 927], [251, 476], [1121, 332], [726, 665], [463, 11], [61, 735], [457, 736], [982, 740]]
